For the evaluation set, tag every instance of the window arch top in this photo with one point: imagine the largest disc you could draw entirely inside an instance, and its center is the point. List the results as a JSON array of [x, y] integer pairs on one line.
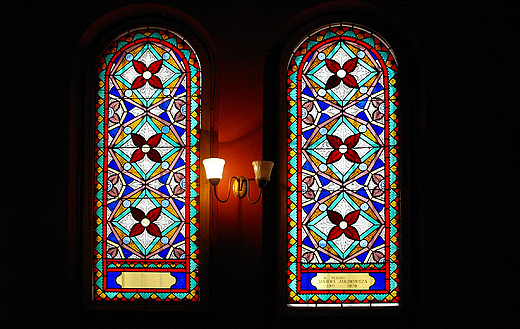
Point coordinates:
[[342, 174], [147, 191]]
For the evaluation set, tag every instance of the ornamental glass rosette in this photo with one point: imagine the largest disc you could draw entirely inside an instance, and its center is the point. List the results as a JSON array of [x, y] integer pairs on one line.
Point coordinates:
[[342, 174], [146, 215]]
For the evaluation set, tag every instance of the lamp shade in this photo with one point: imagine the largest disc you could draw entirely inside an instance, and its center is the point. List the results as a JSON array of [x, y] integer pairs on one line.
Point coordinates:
[[214, 167], [263, 170]]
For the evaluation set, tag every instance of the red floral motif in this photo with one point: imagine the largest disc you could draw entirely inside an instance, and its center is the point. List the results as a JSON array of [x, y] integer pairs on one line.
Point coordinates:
[[145, 222], [343, 225], [112, 190], [178, 177], [147, 74], [115, 117], [341, 73], [378, 180], [146, 147], [179, 115], [343, 148], [377, 256], [309, 256], [376, 102], [307, 182], [309, 119], [112, 252], [178, 252]]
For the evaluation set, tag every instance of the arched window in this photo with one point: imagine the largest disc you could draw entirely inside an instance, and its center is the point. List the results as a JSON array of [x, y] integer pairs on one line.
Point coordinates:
[[147, 164], [342, 174], [146, 216], [340, 212]]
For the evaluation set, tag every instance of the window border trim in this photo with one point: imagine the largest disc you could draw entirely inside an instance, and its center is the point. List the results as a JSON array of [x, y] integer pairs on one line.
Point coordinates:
[[81, 161], [411, 95]]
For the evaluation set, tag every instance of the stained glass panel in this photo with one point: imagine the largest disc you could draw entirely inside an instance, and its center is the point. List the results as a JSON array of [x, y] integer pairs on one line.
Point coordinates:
[[343, 195], [146, 213]]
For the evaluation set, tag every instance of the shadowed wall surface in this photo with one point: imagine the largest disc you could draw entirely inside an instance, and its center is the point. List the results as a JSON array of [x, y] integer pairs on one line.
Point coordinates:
[[469, 108]]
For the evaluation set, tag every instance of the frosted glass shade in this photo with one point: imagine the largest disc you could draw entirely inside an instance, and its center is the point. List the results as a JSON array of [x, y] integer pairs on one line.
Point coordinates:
[[214, 167], [262, 171]]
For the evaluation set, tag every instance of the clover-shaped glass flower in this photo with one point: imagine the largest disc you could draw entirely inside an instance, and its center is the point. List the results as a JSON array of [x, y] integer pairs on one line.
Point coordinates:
[[344, 148], [181, 183], [147, 74], [306, 116], [380, 185], [146, 147], [306, 190], [112, 115], [181, 107], [341, 73], [343, 225], [111, 188], [145, 222]]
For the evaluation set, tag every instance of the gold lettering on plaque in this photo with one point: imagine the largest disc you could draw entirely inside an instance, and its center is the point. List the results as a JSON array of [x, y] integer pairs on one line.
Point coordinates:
[[158, 280], [343, 281]]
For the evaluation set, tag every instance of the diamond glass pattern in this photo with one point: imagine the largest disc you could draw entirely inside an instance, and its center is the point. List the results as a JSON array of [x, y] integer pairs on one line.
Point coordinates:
[[146, 216], [343, 197]]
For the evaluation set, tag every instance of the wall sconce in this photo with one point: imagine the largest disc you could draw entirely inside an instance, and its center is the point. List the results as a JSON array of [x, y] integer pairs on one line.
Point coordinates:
[[215, 166]]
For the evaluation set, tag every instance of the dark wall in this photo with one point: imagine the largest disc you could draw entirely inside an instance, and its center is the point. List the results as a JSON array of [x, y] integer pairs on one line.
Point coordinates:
[[469, 54]]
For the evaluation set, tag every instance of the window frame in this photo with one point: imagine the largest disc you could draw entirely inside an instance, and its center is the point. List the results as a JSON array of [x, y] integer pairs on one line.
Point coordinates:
[[83, 98], [411, 131]]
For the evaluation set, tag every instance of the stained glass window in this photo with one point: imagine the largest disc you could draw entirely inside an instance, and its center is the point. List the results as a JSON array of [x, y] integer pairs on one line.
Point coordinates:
[[343, 193], [146, 201]]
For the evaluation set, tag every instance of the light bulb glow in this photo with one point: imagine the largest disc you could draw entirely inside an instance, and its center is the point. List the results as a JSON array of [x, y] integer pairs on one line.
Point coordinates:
[[214, 167]]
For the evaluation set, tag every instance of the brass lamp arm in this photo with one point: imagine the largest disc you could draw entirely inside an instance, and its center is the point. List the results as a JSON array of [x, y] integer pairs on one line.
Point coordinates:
[[215, 166], [241, 187], [248, 190], [215, 191]]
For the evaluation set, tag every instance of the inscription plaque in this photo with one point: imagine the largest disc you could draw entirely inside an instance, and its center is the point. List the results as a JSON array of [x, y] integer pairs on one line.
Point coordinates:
[[158, 280], [343, 281]]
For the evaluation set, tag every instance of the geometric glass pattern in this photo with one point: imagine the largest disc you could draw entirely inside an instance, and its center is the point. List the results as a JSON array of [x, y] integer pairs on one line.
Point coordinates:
[[146, 199], [343, 193]]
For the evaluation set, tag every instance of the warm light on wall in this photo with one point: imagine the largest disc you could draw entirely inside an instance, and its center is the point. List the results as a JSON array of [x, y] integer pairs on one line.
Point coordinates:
[[215, 166]]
